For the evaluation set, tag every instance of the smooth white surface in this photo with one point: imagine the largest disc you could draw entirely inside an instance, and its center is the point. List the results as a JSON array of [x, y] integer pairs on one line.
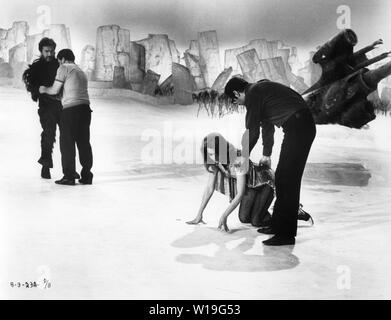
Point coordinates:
[[125, 236]]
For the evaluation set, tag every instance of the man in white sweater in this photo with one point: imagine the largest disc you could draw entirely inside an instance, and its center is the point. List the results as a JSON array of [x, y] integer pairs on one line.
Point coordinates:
[[75, 118]]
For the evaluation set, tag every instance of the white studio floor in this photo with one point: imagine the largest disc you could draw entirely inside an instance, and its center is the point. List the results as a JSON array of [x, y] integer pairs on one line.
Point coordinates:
[[125, 237]]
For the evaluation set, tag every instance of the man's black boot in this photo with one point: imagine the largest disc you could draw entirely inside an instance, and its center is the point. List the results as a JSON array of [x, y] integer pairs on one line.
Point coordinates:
[[66, 182], [45, 172], [278, 240], [86, 179]]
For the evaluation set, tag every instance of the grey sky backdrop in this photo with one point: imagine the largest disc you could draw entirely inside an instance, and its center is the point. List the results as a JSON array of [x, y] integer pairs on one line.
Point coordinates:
[[304, 23]]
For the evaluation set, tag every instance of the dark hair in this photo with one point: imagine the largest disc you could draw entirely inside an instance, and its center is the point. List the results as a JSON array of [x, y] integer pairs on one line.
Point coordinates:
[[67, 54], [220, 144], [235, 84], [46, 42]]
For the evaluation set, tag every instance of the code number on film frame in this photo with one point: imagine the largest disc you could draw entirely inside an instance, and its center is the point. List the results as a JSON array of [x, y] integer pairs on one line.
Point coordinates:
[[217, 309]]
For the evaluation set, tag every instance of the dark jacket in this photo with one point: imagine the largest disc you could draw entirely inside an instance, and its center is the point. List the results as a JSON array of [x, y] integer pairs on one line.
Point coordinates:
[[40, 73], [269, 104]]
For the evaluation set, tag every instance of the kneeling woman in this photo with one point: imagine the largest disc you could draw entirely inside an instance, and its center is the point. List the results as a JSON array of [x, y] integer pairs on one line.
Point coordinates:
[[227, 174]]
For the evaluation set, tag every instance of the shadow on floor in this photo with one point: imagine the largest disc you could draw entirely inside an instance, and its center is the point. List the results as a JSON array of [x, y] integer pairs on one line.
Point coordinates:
[[235, 259], [337, 174], [146, 172]]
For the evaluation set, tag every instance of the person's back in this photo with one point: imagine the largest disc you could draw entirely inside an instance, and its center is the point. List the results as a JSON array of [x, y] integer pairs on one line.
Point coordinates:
[[276, 102], [75, 81], [75, 119]]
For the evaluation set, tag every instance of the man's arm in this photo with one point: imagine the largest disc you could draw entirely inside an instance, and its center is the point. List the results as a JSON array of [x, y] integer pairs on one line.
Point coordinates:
[[249, 140], [251, 135], [267, 138], [58, 83], [53, 90]]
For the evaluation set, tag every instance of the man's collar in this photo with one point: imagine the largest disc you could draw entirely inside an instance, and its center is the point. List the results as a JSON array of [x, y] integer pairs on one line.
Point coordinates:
[[247, 88], [44, 60], [245, 94]]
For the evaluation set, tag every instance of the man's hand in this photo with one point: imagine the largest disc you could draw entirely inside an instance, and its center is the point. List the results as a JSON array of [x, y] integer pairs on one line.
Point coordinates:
[[265, 160], [42, 89]]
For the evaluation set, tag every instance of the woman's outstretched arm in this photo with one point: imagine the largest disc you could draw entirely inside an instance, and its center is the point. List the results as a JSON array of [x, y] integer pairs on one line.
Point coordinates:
[[241, 186], [205, 198]]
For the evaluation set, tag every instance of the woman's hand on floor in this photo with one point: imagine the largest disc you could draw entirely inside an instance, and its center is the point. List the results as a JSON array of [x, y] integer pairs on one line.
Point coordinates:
[[223, 224], [197, 220]]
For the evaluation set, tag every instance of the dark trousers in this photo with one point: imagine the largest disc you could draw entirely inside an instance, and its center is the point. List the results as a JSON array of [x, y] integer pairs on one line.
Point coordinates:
[[299, 133], [75, 130], [49, 116]]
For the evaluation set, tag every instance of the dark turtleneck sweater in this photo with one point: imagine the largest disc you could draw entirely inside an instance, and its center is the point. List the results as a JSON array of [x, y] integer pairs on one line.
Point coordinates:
[[43, 73], [269, 104]]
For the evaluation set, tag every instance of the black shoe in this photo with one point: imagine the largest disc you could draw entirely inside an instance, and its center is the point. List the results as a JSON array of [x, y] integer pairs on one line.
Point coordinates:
[[76, 175], [45, 173], [86, 180], [266, 230], [280, 241], [304, 216], [66, 182]]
